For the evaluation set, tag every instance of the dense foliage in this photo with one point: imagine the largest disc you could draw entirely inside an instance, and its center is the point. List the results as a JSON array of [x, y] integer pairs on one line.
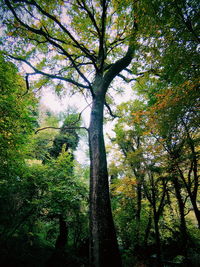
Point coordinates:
[[48, 214]]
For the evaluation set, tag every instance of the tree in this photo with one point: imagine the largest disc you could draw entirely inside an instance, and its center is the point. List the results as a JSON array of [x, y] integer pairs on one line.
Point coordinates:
[[17, 122], [145, 163], [180, 136], [61, 199], [17, 116], [130, 142], [172, 92], [83, 39], [40, 143], [51, 199]]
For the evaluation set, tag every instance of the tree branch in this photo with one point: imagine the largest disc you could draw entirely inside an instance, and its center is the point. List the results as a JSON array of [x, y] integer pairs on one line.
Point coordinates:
[[61, 128], [52, 76], [110, 111], [51, 39], [65, 30], [187, 22], [90, 14], [127, 80], [71, 127], [80, 46], [102, 44], [27, 85], [118, 66]]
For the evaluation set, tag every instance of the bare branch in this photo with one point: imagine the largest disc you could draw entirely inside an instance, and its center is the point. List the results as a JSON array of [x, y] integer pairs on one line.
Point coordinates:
[[52, 76], [110, 111], [61, 128], [126, 79], [79, 116], [70, 127]]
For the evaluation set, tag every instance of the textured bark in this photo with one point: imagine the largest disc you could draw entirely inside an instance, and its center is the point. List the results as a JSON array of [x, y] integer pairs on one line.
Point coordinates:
[[103, 242], [104, 250]]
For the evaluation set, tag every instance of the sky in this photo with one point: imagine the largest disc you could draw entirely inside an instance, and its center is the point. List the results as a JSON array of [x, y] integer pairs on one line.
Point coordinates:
[[59, 104]]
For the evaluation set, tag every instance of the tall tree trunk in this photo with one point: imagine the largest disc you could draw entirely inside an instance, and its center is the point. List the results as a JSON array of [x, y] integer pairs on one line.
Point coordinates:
[[192, 195], [138, 211], [139, 201], [103, 242], [195, 208], [156, 217], [63, 234], [147, 230], [157, 234], [183, 229]]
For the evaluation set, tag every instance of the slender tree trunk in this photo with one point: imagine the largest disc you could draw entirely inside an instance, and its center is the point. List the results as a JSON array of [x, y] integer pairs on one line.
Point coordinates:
[[139, 200], [63, 234], [138, 212], [158, 243], [58, 256], [147, 230], [195, 208], [156, 216], [192, 196], [103, 242], [183, 229]]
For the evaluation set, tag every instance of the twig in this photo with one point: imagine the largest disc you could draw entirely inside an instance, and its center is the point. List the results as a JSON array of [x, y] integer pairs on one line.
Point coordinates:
[[110, 111]]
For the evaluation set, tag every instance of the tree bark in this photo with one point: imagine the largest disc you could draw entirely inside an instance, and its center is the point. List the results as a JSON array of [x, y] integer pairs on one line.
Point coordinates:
[[183, 229], [63, 234], [192, 196], [156, 215], [147, 230], [195, 208], [104, 250], [138, 211], [157, 235]]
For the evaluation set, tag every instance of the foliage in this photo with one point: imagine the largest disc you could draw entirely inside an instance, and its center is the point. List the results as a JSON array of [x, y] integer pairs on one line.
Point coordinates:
[[17, 123], [17, 117], [59, 191], [154, 173]]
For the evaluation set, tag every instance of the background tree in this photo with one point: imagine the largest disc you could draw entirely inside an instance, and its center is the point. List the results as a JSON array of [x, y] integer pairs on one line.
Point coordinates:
[[159, 129], [18, 120], [43, 206]]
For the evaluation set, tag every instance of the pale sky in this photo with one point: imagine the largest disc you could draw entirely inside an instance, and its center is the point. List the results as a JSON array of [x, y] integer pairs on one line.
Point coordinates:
[[57, 104]]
